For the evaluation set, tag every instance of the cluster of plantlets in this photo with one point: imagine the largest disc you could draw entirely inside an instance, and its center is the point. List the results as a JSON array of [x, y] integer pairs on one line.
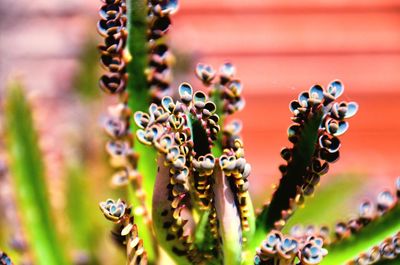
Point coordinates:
[[182, 168], [118, 213], [194, 179], [307, 243]]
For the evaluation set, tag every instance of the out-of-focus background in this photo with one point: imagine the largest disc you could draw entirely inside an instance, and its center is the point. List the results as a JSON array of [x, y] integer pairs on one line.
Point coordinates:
[[279, 47]]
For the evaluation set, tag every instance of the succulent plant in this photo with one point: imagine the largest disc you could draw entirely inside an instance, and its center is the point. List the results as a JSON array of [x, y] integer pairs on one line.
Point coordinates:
[[184, 163], [178, 163]]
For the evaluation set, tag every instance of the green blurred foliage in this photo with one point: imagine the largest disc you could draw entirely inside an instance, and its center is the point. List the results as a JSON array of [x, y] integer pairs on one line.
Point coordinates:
[[331, 202], [29, 181], [86, 77]]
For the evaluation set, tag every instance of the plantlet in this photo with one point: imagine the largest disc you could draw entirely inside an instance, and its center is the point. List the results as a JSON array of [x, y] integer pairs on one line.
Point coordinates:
[[4, 259], [187, 166]]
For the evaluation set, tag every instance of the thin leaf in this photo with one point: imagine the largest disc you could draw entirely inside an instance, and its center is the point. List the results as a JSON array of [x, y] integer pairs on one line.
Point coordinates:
[[371, 235], [28, 173], [395, 261], [80, 213], [333, 199], [146, 234], [171, 241], [302, 154], [229, 220], [200, 138], [318, 120]]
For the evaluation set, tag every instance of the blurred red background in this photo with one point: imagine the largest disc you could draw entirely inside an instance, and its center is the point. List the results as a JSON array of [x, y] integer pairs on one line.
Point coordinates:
[[283, 47]]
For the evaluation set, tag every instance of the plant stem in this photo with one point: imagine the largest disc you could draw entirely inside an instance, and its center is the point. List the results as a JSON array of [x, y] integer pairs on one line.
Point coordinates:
[[137, 87]]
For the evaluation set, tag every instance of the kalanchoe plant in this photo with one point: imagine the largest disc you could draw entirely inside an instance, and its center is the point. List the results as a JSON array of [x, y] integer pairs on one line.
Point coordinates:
[[118, 213], [194, 179]]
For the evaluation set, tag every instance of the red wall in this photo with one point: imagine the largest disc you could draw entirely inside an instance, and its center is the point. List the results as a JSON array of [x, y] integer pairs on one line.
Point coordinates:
[[283, 47]]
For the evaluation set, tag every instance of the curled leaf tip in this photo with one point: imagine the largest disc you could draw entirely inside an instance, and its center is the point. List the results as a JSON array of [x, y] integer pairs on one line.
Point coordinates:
[[113, 210], [280, 249]]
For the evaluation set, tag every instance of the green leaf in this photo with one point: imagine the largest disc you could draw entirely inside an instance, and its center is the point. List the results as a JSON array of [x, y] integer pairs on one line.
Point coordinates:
[[144, 229], [333, 200], [371, 235], [303, 152], [203, 241], [83, 230], [216, 98], [171, 241], [228, 219], [28, 176], [251, 220], [395, 261], [199, 136]]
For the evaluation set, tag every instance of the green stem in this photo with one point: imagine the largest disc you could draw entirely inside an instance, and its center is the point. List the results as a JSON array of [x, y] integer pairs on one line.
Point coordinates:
[[139, 99], [138, 87], [137, 45]]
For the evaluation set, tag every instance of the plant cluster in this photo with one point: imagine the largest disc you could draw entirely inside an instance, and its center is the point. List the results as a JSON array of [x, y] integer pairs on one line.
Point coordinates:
[[179, 164], [201, 210]]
